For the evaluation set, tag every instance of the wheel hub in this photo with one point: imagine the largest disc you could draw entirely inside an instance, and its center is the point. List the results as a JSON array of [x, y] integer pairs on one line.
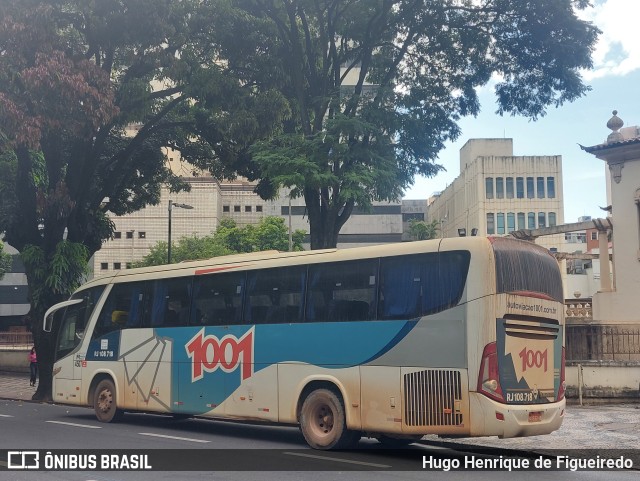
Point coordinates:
[[104, 401]]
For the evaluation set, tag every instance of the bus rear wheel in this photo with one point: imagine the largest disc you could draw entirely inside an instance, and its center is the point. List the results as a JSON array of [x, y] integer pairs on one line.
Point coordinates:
[[104, 402], [323, 422]]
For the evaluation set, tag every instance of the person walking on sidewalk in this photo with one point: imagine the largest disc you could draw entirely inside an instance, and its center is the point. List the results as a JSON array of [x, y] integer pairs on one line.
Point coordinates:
[[33, 366]]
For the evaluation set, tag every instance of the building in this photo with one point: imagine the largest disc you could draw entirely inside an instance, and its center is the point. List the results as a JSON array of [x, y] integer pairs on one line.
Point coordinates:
[[212, 200], [497, 193], [14, 292], [617, 302]]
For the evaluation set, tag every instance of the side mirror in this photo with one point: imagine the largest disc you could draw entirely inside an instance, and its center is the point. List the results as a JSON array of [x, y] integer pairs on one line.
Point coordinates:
[[48, 316]]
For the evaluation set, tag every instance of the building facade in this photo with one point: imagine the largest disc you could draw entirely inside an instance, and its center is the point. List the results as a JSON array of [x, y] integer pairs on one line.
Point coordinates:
[[497, 193], [14, 292], [212, 201], [617, 302]]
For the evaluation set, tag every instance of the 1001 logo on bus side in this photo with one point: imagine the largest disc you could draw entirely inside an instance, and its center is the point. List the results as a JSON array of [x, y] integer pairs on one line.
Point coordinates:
[[208, 353]]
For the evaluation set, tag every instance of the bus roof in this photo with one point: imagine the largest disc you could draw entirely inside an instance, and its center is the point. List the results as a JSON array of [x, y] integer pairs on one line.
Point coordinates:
[[312, 257]]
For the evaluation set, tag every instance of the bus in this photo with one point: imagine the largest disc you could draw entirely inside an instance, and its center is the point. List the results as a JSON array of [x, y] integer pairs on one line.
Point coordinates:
[[457, 337]]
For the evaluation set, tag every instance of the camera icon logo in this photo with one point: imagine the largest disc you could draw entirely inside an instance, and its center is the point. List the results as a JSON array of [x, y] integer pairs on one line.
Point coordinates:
[[23, 460]]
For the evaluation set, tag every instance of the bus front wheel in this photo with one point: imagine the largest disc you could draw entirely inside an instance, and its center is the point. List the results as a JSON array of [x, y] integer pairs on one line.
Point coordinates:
[[323, 422], [104, 402]]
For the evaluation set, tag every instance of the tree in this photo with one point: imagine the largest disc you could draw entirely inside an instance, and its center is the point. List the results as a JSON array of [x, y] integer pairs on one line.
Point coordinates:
[[376, 87], [74, 77], [5, 261], [270, 233], [421, 230]]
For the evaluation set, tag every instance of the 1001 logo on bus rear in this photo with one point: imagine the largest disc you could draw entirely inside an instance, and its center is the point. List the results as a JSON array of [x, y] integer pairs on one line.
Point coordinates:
[[208, 353]]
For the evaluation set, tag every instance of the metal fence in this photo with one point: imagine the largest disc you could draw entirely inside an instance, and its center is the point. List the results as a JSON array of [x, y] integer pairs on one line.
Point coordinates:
[[602, 343], [15, 338]]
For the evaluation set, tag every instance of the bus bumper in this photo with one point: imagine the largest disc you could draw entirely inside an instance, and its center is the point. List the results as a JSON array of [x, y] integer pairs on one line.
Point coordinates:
[[491, 418]]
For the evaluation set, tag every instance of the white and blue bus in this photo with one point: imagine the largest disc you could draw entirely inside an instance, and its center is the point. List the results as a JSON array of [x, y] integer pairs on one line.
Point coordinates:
[[455, 337]]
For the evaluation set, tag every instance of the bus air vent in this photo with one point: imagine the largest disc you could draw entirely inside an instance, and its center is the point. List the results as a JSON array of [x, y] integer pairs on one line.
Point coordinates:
[[432, 398], [531, 329]]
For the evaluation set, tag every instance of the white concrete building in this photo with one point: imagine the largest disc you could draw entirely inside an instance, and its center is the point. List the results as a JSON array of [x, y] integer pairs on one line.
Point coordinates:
[[497, 193]]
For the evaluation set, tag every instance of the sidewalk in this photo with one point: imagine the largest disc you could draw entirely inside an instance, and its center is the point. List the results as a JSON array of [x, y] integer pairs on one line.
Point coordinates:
[[615, 426]]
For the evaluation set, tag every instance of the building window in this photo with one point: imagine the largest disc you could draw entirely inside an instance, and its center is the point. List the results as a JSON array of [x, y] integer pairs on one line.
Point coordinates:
[[500, 223], [225, 208], [117, 266], [509, 187], [247, 208], [594, 235], [531, 220], [540, 187], [511, 222], [117, 235], [542, 219], [142, 235], [521, 221], [499, 188], [520, 187], [408, 217], [258, 208], [104, 266], [552, 219], [489, 187], [236, 208], [551, 188], [130, 234], [530, 188], [491, 226]]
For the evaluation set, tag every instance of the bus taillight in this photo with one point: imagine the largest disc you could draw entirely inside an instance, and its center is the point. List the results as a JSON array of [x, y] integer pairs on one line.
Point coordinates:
[[562, 380], [489, 378]]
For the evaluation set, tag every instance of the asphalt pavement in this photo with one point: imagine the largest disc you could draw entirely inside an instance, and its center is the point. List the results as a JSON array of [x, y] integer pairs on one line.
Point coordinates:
[[597, 427]]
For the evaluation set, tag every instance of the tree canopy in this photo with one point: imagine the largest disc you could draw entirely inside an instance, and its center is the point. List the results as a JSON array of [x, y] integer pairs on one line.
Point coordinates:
[[376, 87], [5, 261], [421, 230], [92, 96], [270, 234]]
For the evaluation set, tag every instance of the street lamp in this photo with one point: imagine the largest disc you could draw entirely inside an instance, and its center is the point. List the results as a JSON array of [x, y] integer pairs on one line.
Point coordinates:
[[173, 204]]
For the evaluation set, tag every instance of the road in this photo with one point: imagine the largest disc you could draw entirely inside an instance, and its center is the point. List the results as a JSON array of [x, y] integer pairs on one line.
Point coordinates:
[[230, 451]]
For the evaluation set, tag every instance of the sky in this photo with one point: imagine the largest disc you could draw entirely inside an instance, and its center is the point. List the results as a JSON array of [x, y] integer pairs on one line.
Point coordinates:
[[615, 85]]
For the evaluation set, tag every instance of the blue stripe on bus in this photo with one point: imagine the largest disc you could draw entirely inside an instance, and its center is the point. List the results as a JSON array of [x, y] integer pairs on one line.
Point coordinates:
[[333, 346]]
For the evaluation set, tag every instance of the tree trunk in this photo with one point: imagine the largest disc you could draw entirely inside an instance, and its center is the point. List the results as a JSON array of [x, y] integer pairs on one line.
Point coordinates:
[[45, 345], [45, 352]]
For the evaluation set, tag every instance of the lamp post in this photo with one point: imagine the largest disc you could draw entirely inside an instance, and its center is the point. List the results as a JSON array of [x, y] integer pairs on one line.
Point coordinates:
[[173, 204]]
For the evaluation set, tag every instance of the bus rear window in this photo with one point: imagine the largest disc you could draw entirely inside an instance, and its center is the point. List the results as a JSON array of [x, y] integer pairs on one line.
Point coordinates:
[[526, 267]]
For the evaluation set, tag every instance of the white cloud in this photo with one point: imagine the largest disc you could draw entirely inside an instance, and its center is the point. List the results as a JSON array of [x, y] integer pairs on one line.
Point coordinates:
[[617, 51]]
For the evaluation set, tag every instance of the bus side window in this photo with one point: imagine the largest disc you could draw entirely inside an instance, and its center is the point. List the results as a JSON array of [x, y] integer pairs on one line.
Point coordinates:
[[170, 304], [275, 295], [217, 299], [123, 309], [444, 281], [401, 281], [342, 291]]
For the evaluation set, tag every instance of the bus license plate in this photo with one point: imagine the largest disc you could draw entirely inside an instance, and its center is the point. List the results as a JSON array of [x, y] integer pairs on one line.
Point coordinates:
[[535, 416]]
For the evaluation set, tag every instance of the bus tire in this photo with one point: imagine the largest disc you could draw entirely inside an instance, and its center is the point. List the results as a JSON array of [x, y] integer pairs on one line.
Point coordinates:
[[323, 422], [104, 402], [390, 441]]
